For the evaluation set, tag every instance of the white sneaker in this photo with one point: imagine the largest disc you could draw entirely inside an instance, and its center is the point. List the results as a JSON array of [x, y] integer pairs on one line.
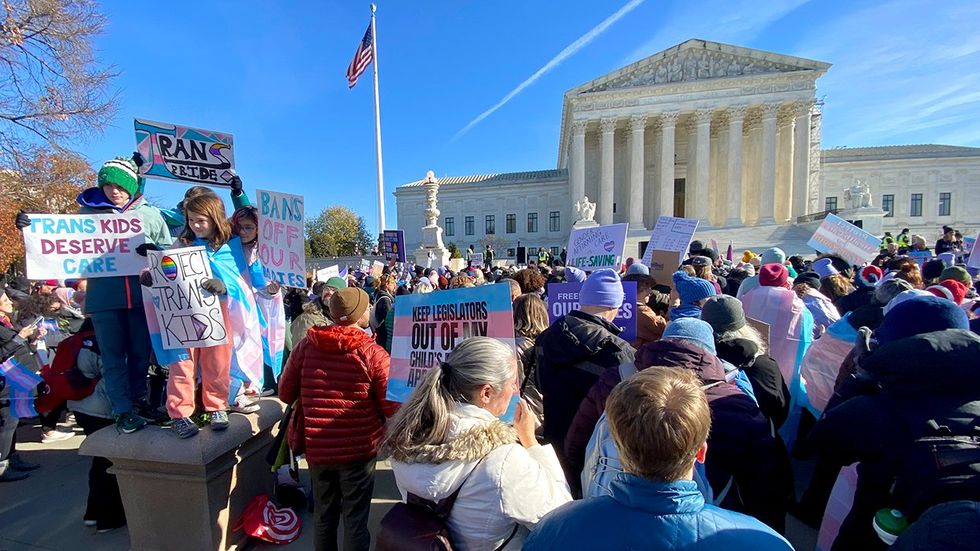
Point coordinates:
[[244, 404], [55, 436], [90, 523]]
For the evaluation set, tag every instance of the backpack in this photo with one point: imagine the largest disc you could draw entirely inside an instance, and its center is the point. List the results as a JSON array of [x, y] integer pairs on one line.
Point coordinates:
[[421, 525], [62, 378], [265, 521], [374, 321]]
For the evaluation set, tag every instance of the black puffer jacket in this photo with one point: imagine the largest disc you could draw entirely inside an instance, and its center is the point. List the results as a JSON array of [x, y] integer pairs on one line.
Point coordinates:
[[571, 355], [932, 376], [763, 372]]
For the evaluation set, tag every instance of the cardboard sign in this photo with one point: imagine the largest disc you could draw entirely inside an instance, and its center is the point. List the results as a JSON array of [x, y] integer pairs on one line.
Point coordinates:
[[597, 247], [70, 246], [662, 266], [174, 152], [327, 273], [836, 235], [429, 326], [670, 234], [281, 242], [188, 316], [476, 260], [393, 244], [563, 298], [760, 326], [377, 268]]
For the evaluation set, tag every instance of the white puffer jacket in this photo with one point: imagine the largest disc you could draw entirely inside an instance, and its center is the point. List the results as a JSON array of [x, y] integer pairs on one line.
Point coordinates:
[[512, 485]]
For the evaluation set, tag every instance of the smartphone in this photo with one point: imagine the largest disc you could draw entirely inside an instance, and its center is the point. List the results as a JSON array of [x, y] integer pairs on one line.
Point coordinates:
[[38, 321]]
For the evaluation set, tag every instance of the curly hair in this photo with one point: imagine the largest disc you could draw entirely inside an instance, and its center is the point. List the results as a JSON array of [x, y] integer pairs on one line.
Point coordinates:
[[835, 286], [908, 270], [530, 280]]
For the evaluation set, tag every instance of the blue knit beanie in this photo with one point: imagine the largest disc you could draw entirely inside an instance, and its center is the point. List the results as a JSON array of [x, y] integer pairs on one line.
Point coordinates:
[[692, 329], [602, 288], [920, 315], [692, 289], [574, 275], [774, 255], [637, 268]]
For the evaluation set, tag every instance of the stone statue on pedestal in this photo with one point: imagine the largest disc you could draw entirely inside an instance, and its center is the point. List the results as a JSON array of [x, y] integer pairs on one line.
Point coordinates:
[[585, 210], [858, 196], [431, 253]]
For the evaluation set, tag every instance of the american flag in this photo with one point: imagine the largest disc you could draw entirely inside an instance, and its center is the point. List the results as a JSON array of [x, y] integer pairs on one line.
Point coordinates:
[[362, 58]]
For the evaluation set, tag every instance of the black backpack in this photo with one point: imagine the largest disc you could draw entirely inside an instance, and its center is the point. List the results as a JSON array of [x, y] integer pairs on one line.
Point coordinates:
[[941, 465]]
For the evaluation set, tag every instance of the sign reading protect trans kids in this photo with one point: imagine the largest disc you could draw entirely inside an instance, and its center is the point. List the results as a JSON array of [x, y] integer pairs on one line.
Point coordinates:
[[598, 247]]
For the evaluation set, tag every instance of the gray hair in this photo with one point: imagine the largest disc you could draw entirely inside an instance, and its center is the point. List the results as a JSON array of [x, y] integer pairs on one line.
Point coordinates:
[[745, 332]]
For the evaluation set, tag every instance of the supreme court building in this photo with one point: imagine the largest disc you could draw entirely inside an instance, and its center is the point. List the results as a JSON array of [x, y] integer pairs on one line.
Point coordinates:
[[724, 134]]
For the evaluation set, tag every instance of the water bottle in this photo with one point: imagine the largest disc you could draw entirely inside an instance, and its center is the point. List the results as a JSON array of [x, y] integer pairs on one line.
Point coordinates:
[[889, 524]]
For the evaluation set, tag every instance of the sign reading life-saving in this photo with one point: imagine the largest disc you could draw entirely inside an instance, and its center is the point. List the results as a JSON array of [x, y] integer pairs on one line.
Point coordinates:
[[174, 152], [69, 246], [597, 247], [281, 245]]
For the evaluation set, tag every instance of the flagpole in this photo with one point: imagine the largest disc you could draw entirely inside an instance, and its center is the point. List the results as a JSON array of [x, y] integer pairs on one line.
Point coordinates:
[[377, 125]]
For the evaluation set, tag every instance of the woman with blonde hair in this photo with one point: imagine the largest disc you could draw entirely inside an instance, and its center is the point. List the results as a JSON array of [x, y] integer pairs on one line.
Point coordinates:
[[446, 438], [530, 319]]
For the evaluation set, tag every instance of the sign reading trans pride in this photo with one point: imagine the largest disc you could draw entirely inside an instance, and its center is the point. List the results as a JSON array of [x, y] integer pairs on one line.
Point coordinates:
[[174, 152], [597, 247], [836, 235]]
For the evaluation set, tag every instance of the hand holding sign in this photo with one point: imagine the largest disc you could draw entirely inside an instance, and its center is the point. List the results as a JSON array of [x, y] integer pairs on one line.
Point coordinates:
[[187, 316]]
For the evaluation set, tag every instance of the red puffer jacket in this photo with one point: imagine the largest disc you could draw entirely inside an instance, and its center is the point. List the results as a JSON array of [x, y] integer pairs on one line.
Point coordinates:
[[341, 378]]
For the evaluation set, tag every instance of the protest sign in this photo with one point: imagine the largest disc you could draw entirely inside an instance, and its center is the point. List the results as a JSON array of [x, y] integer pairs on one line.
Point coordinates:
[[428, 326], [174, 152], [377, 268], [670, 234], [476, 260], [563, 298], [281, 244], [762, 327], [188, 316], [365, 265], [597, 247], [662, 266], [73, 246], [326, 273], [393, 243], [974, 260], [836, 235], [921, 257]]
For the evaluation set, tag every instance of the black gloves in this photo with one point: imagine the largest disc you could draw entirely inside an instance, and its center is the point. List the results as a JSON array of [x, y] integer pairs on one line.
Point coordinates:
[[138, 159], [141, 250], [214, 286], [146, 280], [22, 220], [236, 186]]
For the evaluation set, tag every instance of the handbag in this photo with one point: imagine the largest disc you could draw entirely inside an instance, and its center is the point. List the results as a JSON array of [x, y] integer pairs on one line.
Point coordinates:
[[265, 521]]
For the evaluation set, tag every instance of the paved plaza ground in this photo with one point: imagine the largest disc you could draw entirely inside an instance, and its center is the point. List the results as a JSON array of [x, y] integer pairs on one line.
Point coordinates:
[[45, 511]]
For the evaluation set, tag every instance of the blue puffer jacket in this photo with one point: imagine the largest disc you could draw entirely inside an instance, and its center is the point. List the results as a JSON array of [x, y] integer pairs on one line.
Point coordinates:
[[645, 514]]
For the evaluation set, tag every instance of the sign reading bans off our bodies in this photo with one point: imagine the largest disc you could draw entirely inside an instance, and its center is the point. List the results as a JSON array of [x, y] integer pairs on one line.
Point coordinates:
[[429, 326], [281, 245], [188, 316], [69, 246], [174, 152]]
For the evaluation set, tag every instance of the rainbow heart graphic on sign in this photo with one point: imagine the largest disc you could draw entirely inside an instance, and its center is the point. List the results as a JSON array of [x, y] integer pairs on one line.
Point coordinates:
[[609, 246], [169, 268]]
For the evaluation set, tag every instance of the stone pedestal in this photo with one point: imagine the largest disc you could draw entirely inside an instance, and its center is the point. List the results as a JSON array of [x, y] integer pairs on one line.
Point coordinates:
[[872, 218], [584, 224], [188, 494], [432, 242]]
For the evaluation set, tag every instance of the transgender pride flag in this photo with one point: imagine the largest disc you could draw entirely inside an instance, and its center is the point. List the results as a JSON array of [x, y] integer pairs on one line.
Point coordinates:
[[22, 383], [428, 326]]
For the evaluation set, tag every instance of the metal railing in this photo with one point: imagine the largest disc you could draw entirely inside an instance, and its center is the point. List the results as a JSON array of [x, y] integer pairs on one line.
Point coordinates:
[[815, 216]]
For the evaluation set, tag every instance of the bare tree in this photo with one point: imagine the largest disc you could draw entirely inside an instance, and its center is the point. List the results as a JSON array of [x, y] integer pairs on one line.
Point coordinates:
[[52, 89]]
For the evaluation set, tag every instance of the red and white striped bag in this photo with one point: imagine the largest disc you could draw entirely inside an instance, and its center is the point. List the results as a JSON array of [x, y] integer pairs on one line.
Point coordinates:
[[265, 521]]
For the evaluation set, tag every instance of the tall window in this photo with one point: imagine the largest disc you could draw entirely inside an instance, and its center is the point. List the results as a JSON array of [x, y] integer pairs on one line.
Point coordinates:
[[554, 252], [554, 221], [468, 225], [490, 227], [945, 203], [830, 203], [888, 205], [511, 223], [450, 226], [532, 222], [915, 207]]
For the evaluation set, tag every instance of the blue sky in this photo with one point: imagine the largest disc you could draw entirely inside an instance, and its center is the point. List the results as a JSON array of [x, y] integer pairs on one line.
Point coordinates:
[[272, 73]]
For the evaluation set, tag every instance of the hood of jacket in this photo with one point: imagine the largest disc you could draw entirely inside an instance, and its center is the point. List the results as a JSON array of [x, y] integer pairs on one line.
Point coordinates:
[[941, 362], [338, 338], [94, 198], [578, 335], [738, 351], [681, 353]]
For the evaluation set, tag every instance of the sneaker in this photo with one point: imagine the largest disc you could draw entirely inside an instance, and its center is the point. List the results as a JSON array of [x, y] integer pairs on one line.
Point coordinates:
[[268, 392], [18, 464], [184, 427], [103, 527], [11, 475], [129, 422], [150, 413], [90, 523], [219, 420], [55, 436], [245, 405]]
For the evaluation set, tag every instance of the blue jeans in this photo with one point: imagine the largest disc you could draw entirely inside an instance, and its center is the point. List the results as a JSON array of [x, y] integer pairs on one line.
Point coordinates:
[[124, 343]]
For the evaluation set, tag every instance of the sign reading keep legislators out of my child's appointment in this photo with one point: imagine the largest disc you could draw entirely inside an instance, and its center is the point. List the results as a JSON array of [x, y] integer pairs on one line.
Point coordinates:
[[281, 243], [597, 247], [174, 152], [836, 235], [70, 246]]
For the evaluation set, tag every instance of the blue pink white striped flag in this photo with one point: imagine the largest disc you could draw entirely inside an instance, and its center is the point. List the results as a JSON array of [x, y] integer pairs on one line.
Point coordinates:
[[22, 382]]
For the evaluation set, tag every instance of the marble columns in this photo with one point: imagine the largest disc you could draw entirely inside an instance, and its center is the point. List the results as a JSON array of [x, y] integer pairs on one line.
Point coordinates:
[[607, 146], [637, 127], [767, 188], [736, 119]]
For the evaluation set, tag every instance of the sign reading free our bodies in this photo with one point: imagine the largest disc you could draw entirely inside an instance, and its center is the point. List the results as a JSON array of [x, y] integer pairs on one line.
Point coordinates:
[[281, 245], [597, 247], [68, 246], [563, 298], [429, 326], [188, 316], [836, 235], [174, 152]]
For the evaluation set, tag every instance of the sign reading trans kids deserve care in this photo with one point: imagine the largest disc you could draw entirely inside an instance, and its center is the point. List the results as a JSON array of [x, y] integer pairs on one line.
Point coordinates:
[[563, 298], [597, 247], [670, 234], [836, 235], [429, 326], [174, 152], [188, 315], [281, 244], [72, 246]]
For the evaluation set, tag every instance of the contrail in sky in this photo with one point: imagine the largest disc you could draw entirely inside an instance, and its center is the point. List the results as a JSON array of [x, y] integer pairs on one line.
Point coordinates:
[[569, 51]]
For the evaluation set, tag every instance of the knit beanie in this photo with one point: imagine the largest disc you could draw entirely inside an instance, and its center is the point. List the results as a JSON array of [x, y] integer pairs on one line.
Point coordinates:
[[603, 289], [347, 305], [700, 261], [920, 315], [692, 289], [695, 247], [868, 276], [824, 268], [890, 289], [724, 313], [773, 275], [709, 253], [933, 269], [957, 273], [574, 275], [637, 268], [749, 269], [336, 283], [691, 329], [774, 255], [949, 289], [747, 256], [123, 173], [809, 278]]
